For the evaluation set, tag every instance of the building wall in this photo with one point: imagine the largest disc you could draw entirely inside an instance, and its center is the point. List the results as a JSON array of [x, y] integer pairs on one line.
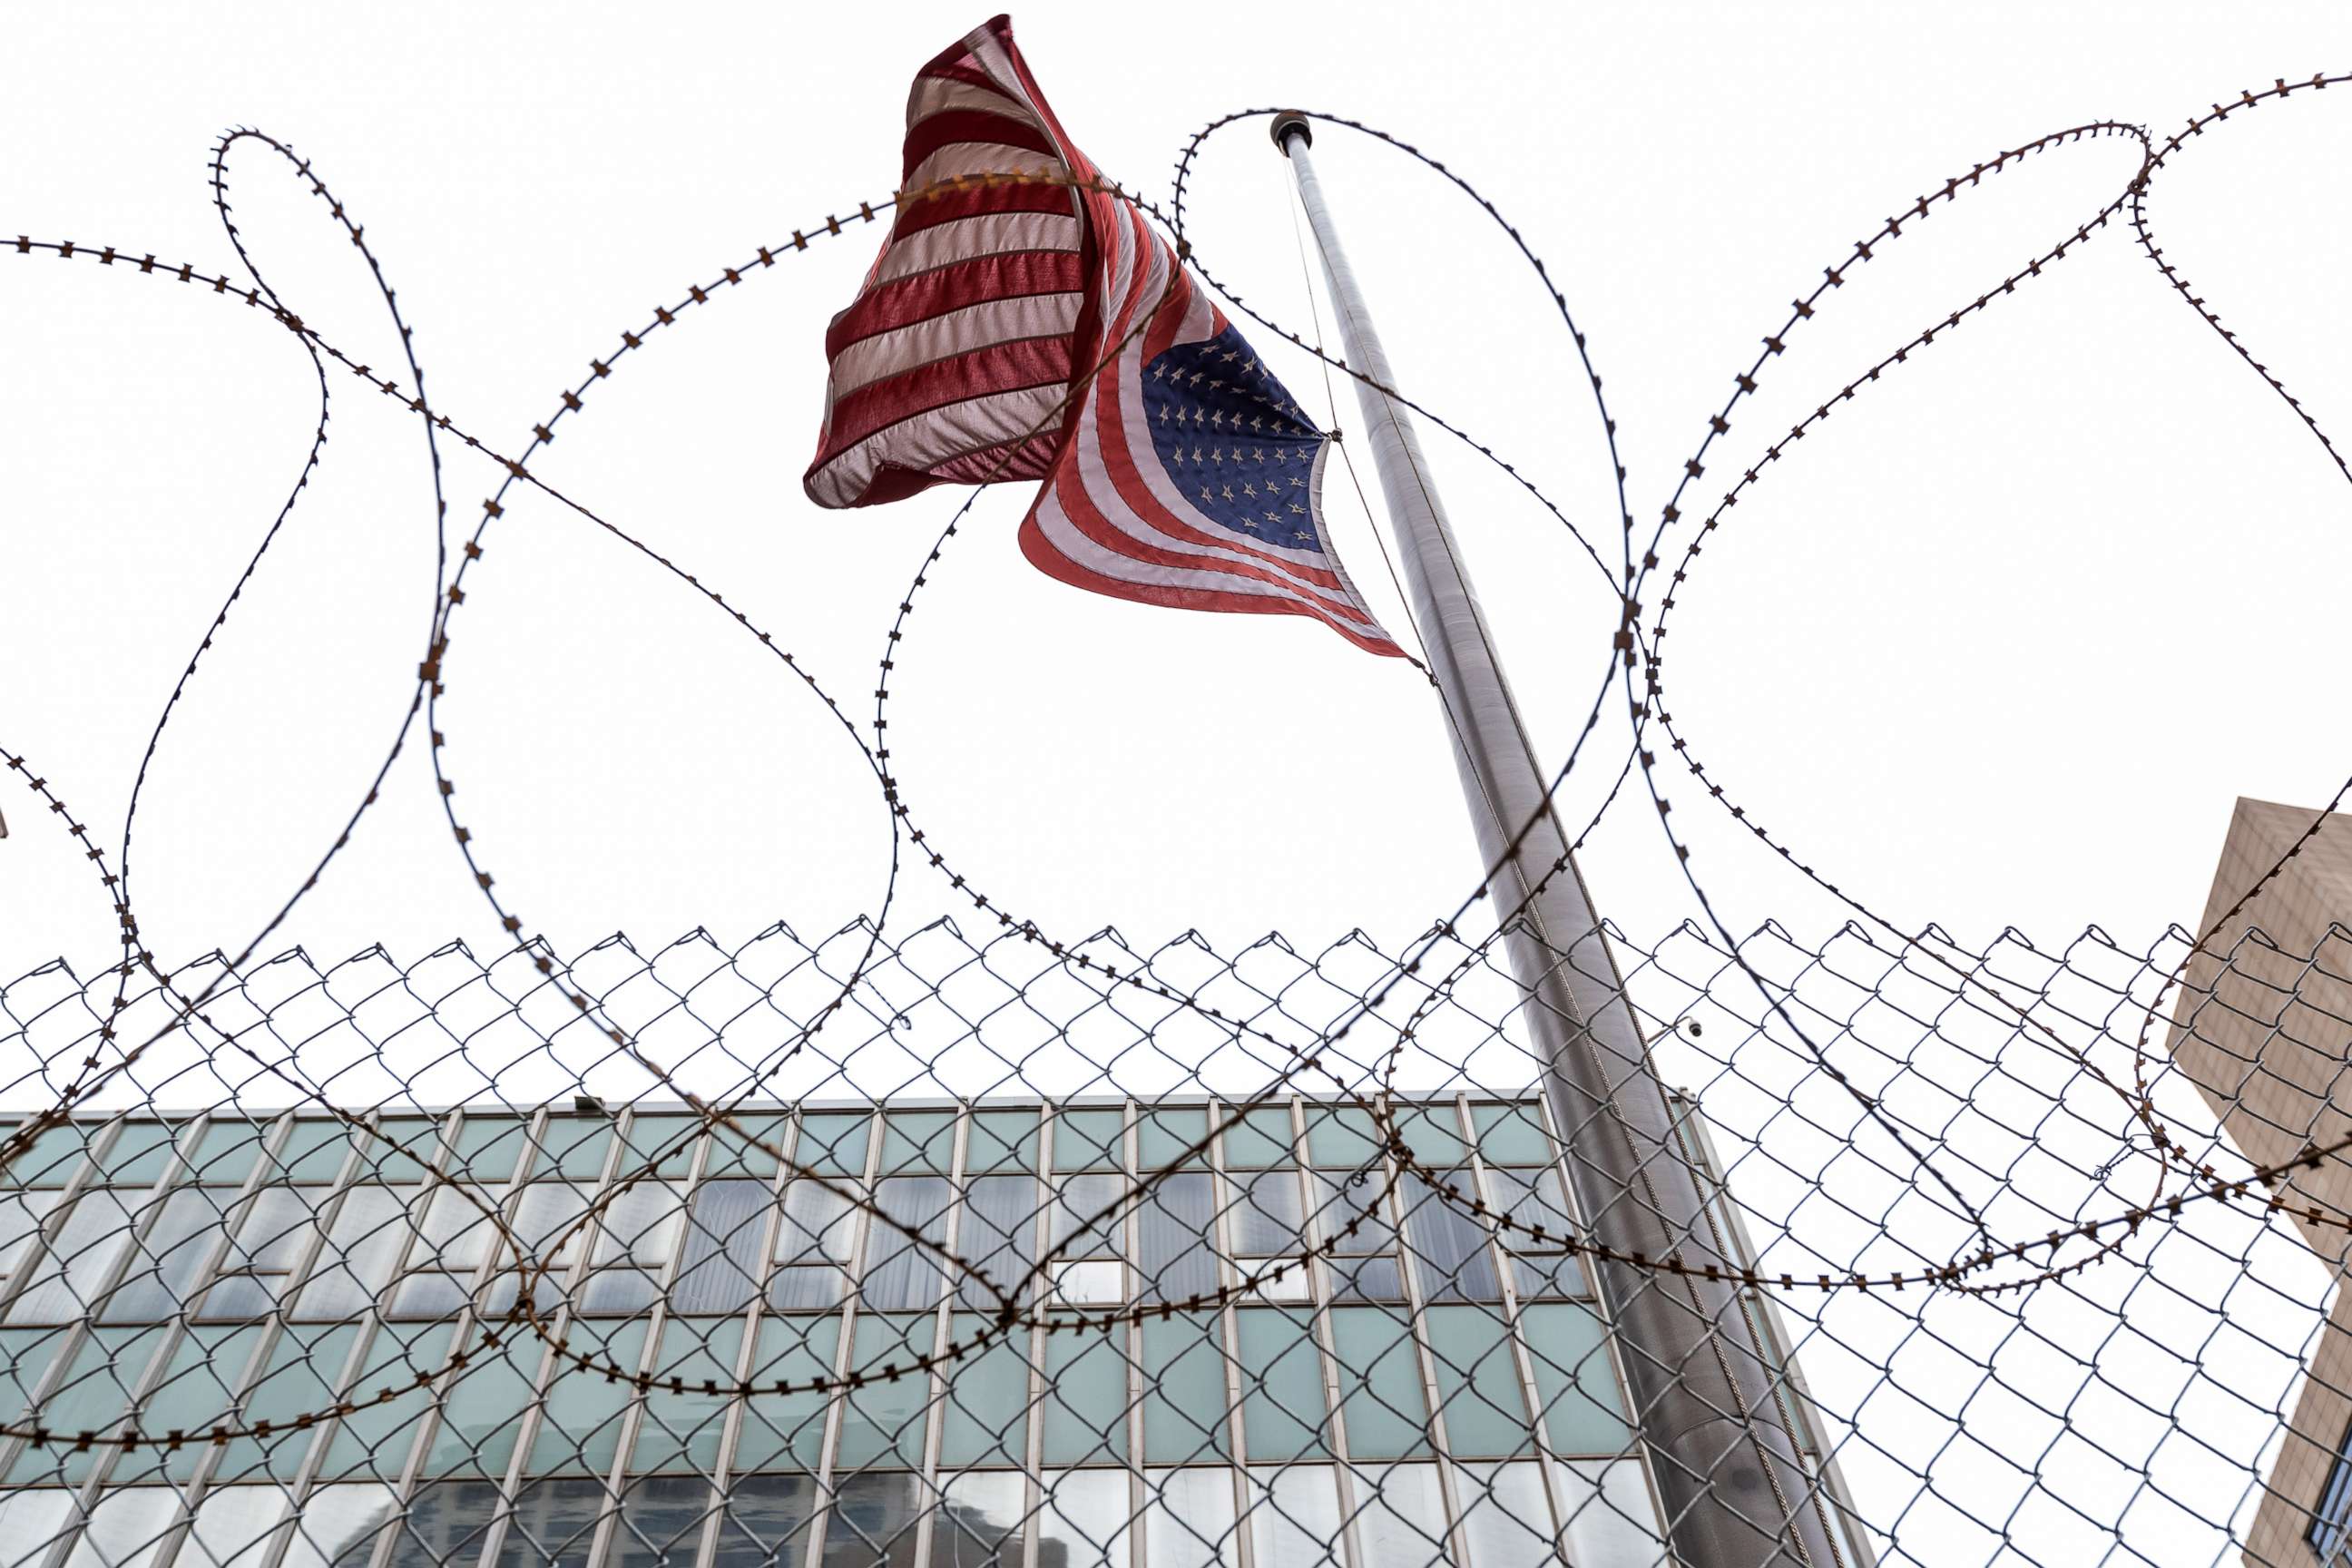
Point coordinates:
[[2262, 1029]]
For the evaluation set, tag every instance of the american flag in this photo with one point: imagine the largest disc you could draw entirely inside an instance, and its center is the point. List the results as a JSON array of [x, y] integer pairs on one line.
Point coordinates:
[[1177, 471]]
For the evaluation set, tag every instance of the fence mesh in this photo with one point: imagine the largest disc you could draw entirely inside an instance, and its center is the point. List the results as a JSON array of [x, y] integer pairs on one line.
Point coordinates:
[[967, 1279]]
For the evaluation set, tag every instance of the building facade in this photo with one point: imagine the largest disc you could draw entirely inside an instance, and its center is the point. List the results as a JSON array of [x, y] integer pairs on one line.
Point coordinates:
[[2261, 1030], [339, 1305]]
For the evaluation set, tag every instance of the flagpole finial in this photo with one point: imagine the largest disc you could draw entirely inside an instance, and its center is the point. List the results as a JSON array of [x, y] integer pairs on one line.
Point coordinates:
[[1290, 123]]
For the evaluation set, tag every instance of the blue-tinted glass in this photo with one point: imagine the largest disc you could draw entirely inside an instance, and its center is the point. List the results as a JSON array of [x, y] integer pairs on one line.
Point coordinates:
[[1090, 1140]]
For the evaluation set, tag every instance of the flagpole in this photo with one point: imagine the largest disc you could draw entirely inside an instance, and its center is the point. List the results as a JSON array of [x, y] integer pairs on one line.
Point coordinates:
[[1709, 1407]]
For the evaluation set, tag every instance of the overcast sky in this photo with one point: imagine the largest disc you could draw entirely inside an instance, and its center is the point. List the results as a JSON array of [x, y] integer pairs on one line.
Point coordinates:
[[2000, 645]]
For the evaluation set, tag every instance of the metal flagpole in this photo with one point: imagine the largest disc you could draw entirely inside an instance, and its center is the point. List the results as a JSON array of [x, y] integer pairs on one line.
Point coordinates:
[[1708, 1402]]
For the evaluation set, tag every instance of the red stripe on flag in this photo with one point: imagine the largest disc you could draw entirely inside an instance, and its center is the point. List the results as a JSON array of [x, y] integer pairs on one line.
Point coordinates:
[[984, 373], [1000, 275]]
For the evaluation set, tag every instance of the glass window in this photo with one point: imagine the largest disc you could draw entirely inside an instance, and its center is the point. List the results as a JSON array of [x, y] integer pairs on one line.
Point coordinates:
[[998, 1236], [1188, 1519], [337, 1526], [784, 1431], [921, 1142], [1083, 1520], [575, 1147], [636, 1235], [139, 1153], [1342, 1138], [900, 1274], [1086, 1397], [681, 1426], [1433, 1133], [661, 1522], [747, 1143], [372, 1442], [1353, 1213], [483, 1407], [454, 1242], [1260, 1139], [883, 1421], [53, 1159], [873, 1522], [81, 1254], [197, 1388], [21, 1214], [1451, 1259], [229, 1150], [364, 1242], [580, 1424], [1265, 1217], [553, 1525], [1610, 1516], [1477, 1383], [273, 1232], [91, 1396], [1087, 1213], [763, 1520], [1512, 1134], [833, 1142], [1283, 1412], [1164, 1133], [306, 1367], [168, 1259], [1090, 1282], [987, 1411], [666, 1142], [1293, 1518], [31, 1519], [1179, 1261], [1366, 1279], [1381, 1392], [1090, 1141], [126, 1529], [1505, 1519], [2331, 1517], [1000, 1141], [489, 1146], [316, 1148], [1583, 1409], [1184, 1401], [1277, 1279], [1541, 1265], [726, 1228], [981, 1521], [1400, 1517], [548, 1229], [445, 1524]]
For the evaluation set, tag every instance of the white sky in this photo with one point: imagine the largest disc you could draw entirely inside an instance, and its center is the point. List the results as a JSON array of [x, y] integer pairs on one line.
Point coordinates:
[[1999, 647]]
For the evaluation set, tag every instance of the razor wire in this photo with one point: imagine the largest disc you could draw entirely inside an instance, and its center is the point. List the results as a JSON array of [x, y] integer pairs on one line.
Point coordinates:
[[207, 1010]]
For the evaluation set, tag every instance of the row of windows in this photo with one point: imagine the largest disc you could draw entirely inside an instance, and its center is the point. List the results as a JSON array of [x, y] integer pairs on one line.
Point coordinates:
[[1406, 1515]]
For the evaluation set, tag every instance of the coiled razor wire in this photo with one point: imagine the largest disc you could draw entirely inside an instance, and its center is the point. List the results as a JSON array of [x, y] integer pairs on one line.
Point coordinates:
[[1959, 1186]]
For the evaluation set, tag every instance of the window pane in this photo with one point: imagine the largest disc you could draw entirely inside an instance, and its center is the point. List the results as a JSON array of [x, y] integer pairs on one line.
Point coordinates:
[[1610, 1516], [1366, 1279], [229, 1150], [80, 1256], [235, 1527], [1188, 1519], [1477, 1383], [1260, 1139], [1354, 1213], [372, 1443], [139, 1152], [680, 1431], [53, 1159], [1505, 1519], [1085, 1199], [1002, 1141], [489, 1147], [784, 1431], [1342, 1138], [195, 1391], [481, 1414], [742, 1146], [873, 1522], [1184, 1395], [306, 1367], [1178, 1262], [1584, 1408], [635, 1240], [316, 1148], [919, 1142], [1293, 1518], [1535, 1198], [580, 1427], [445, 1525], [1512, 1134], [807, 1287], [1086, 1397], [1091, 1283], [883, 1422], [981, 1521], [726, 1227], [1381, 1391], [1165, 1133], [337, 1526], [555, 1523], [1000, 1225], [126, 1528], [1090, 1141], [169, 1257], [364, 1245], [661, 1522], [987, 1409], [1400, 1517], [1433, 1133], [833, 1142], [32, 1518], [667, 1143], [1283, 1414], [1265, 1216], [900, 1275], [1084, 1521], [764, 1521], [576, 1147], [1448, 1248]]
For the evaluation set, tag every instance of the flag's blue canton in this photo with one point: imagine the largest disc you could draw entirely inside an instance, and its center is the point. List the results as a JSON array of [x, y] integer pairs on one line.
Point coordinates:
[[1233, 441]]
